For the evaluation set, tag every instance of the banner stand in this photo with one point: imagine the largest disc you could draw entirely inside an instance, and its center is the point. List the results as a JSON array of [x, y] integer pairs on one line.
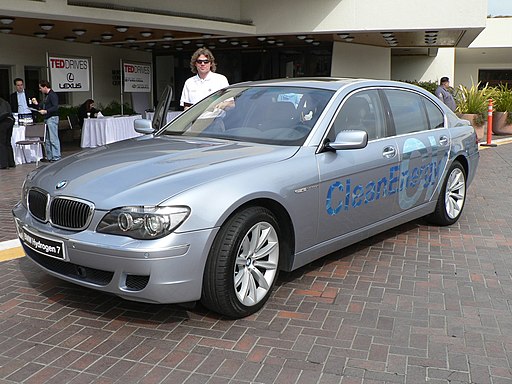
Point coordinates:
[[121, 85], [136, 79], [91, 73]]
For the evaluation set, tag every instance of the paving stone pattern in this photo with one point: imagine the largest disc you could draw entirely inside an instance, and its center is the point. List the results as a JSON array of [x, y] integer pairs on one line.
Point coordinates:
[[415, 304]]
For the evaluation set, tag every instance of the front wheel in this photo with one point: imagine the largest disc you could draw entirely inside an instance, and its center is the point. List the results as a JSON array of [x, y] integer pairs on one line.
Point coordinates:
[[452, 197], [243, 263]]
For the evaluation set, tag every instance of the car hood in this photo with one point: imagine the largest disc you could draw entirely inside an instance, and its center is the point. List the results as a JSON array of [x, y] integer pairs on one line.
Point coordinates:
[[149, 170]]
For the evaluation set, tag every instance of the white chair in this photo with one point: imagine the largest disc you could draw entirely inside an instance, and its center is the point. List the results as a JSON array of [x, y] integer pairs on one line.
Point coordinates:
[[34, 134]]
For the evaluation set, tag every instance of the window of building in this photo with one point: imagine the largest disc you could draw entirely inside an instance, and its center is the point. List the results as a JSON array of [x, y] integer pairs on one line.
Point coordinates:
[[32, 75], [495, 76]]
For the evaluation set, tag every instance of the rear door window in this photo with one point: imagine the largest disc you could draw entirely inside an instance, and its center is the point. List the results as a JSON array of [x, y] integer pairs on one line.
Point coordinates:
[[407, 111], [435, 116]]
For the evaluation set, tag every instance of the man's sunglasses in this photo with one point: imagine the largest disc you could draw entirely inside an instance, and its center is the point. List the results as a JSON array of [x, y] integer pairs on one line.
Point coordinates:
[[202, 61]]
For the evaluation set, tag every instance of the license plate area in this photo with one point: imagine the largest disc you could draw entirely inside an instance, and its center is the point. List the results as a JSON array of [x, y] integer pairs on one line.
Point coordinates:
[[42, 245]]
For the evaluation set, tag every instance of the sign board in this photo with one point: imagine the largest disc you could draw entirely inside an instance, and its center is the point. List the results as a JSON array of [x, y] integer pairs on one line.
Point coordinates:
[[137, 77], [69, 74]]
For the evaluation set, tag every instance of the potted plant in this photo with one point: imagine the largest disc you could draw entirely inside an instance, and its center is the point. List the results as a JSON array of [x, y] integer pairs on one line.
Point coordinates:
[[502, 115], [472, 104]]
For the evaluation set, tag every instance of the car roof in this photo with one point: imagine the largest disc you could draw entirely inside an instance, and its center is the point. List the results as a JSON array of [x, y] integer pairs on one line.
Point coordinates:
[[328, 83]]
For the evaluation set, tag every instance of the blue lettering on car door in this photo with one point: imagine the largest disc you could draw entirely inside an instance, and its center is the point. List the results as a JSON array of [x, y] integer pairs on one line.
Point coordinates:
[[342, 195], [424, 178]]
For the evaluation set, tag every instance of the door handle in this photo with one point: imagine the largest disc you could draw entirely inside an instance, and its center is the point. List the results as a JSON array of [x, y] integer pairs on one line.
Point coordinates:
[[443, 140], [389, 152]]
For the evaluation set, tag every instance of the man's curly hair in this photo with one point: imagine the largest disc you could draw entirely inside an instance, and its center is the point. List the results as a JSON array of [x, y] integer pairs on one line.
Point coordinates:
[[206, 52]]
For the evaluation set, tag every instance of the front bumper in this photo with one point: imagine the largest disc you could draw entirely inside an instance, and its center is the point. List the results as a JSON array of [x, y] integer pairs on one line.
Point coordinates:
[[168, 270]]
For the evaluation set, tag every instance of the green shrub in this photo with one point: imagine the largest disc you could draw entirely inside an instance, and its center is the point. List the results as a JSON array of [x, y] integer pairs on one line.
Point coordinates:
[[430, 86], [64, 112], [114, 108]]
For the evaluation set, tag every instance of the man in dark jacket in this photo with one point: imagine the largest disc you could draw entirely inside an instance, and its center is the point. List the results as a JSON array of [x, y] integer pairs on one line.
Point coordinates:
[[444, 94], [21, 100], [6, 124], [49, 108]]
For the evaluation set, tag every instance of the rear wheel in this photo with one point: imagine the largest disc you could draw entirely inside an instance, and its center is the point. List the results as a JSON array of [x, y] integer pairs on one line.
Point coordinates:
[[452, 197], [243, 263]]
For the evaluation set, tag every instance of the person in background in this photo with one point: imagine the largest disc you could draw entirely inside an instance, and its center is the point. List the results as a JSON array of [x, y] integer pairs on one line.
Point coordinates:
[[6, 125], [87, 109], [21, 100], [49, 108], [205, 82], [443, 93]]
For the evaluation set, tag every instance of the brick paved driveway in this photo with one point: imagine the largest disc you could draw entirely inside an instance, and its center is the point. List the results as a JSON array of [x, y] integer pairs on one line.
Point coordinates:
[[415, 304]]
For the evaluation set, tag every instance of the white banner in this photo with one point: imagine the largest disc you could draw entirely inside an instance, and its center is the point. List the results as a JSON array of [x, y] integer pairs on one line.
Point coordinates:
[[137, 77], [69, 74]]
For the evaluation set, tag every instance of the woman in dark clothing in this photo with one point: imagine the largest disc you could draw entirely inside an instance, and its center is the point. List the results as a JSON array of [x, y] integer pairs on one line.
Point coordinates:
[[86, 108], [6, 124]]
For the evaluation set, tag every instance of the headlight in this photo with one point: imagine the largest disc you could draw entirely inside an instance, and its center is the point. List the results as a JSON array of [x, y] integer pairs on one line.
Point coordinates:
[[143, 222]]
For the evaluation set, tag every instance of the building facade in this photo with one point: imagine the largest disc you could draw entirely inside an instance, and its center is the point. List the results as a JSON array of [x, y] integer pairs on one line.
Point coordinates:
[[401, 40]]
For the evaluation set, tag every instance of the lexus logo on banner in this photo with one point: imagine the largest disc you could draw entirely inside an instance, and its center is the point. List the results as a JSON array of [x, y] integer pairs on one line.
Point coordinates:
[[69, 74]]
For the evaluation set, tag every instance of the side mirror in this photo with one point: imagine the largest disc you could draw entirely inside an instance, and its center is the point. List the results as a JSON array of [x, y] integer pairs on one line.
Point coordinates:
[[348, 140], [143, 126]]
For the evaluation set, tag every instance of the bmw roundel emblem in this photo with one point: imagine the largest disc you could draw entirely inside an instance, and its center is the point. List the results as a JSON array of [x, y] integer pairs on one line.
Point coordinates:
[[61, 184]]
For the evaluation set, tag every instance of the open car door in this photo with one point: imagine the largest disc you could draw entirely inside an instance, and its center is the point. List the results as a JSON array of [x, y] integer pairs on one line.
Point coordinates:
[[160, 117], [147, 127]]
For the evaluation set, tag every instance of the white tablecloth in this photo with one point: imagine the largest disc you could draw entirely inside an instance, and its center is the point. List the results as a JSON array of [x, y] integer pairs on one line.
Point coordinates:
[[32, 152], [170, 115], [106, 130]]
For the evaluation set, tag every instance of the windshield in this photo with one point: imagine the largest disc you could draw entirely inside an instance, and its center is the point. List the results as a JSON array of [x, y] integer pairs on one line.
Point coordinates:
[[270, 114]]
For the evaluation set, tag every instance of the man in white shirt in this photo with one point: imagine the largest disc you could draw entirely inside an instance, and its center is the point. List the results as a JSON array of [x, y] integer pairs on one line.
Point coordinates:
[[205, 82]]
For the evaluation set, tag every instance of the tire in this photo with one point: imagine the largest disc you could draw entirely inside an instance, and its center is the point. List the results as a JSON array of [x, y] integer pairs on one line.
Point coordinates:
[[452, 197], [243, 263]]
